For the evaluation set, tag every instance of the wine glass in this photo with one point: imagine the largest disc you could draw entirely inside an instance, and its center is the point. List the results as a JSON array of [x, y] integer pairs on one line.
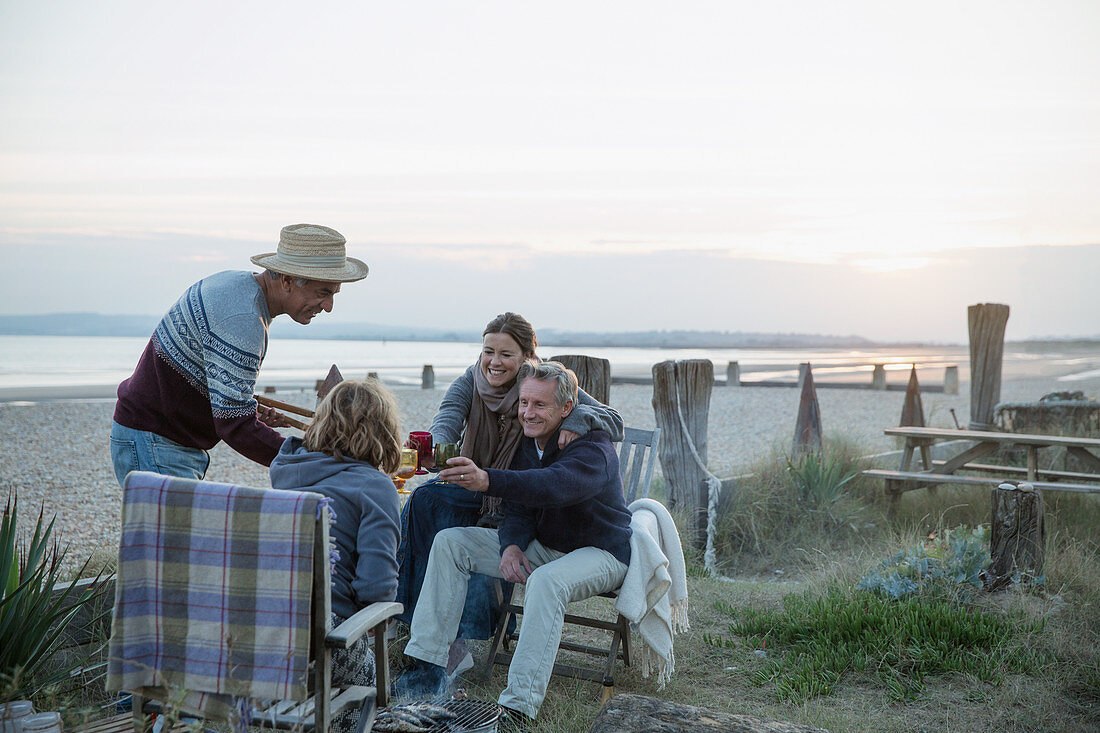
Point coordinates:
[[423, 442]]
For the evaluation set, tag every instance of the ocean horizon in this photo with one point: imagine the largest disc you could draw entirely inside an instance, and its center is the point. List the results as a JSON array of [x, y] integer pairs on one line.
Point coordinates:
[[91, 364]]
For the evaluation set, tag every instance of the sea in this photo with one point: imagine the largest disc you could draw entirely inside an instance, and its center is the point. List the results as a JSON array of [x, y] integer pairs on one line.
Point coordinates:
[[93, 362]]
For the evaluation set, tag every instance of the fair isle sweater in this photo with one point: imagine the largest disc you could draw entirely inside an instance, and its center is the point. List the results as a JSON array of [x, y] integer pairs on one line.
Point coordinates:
[[194, 383]]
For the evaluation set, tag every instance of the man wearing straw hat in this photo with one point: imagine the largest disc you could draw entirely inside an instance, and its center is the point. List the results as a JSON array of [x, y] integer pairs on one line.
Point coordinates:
[[193, 385]]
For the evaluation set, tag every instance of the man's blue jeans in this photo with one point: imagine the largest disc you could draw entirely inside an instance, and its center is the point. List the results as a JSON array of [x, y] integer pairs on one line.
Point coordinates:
[[140, 450]]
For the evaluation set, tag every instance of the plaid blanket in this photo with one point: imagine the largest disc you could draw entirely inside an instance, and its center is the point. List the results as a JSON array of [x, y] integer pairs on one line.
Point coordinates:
[[212, 592]]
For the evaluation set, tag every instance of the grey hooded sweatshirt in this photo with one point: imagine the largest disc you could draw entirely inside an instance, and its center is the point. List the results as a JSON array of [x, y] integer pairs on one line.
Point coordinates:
[[366, 530]]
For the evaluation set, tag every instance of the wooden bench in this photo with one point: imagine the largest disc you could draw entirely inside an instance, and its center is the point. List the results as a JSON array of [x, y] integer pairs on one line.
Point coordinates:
[[978, 443], [924, 478]]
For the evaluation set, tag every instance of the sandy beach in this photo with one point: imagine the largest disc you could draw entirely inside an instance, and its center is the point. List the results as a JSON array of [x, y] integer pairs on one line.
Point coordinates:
[[58, 455]]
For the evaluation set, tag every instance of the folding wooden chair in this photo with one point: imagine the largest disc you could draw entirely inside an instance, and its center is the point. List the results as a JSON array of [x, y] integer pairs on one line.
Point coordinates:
[[637, 456], [324, 701]]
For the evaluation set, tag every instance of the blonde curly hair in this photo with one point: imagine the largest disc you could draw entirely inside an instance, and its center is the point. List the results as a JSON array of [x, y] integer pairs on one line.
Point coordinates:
[[357, 420]]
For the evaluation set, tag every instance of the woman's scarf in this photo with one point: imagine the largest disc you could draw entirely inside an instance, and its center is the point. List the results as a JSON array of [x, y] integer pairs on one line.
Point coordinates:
[[493, 429]]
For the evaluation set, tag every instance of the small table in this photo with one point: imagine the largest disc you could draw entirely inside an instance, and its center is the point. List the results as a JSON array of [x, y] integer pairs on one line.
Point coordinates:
[[932, 473]]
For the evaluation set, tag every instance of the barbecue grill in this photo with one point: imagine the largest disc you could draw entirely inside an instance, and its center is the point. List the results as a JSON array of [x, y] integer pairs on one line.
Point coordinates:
[[473, 716]]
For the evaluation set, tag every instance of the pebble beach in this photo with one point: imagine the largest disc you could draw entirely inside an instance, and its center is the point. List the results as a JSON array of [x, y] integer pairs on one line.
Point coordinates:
[[57, 455]]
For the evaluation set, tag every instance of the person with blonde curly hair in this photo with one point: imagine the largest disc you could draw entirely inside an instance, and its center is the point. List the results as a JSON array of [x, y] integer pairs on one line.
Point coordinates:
[[348, 454]]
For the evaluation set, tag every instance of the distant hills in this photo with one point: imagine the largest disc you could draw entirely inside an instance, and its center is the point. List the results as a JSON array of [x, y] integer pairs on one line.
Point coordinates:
[[99, 324]]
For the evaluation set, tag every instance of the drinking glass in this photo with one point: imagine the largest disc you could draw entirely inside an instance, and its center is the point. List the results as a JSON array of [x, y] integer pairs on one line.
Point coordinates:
[[423, 442], [443, 451], [409, 463]]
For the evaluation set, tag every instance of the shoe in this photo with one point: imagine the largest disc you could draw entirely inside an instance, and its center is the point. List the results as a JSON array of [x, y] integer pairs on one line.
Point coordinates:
[[421, 681], [513, 721]]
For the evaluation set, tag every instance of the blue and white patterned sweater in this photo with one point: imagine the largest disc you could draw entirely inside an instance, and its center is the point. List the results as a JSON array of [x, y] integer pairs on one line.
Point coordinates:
[[194, 384]]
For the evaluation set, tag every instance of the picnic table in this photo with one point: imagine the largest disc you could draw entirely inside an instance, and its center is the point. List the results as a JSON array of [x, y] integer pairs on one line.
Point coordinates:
[[919, 441]]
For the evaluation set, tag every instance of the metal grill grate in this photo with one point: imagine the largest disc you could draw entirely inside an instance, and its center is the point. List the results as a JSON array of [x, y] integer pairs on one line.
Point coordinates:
[[473, 716]]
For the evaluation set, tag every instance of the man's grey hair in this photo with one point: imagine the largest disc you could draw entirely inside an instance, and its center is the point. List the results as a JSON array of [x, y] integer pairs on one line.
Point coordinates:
[[546, 371], [299, 281]]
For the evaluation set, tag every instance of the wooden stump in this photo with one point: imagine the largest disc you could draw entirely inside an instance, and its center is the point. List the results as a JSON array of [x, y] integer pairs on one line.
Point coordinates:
[[686, 385], [987, 344], [807, 428], [1018, 534], [638, 714], [593, 374], [427, 377]]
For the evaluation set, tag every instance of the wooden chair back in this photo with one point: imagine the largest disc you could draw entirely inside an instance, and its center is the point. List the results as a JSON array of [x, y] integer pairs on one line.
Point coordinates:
[[325, 701], [637, 457]]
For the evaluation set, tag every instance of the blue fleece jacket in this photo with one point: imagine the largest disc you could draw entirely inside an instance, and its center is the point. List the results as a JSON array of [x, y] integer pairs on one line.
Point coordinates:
[[366, 529], [568, 499]]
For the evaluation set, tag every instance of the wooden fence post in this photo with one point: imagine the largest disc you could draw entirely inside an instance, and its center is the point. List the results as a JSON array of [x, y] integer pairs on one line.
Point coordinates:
[[683, 389], [427, 377], [733, 374], [593, 374], [807, 428], [878, 377], [987, 342], [1016, 543], [951, 379]]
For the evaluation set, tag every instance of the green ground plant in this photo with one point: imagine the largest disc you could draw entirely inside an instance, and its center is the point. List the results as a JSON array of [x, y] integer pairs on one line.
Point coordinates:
[[818, 639], [34, 611]]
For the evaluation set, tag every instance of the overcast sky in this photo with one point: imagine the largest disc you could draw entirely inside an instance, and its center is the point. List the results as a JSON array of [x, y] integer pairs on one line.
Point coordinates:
[[839, 167]]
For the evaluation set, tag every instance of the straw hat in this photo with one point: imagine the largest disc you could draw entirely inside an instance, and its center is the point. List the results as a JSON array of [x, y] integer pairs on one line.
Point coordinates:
[[313, 252]]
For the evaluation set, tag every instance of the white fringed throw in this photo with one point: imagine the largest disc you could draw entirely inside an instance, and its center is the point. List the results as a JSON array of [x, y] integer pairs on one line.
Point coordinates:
[[653, 596]]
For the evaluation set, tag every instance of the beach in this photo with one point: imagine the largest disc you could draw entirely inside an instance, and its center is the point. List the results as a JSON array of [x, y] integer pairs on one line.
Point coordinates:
[[58, 457]]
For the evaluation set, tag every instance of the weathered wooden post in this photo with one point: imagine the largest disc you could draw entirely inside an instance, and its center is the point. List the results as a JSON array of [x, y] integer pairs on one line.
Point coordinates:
[[912, 412], [807, 428], [951, 379], [372, 375], [878, 377], [681, 403], [427, 377], [593, 374], [987, 342], [803, 370], [733, 374], [1018, 532]]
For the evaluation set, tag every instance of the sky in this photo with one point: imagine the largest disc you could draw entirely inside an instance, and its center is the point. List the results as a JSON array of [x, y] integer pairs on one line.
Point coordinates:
[[851, 167]]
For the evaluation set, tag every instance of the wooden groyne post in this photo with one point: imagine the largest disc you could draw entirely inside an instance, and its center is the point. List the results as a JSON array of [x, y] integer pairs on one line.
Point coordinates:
[[681, 405], [987, 344], [912, 412], [878, 377], [733, 374], [593, 374], [807, 428], [427, 377], [951, 379]]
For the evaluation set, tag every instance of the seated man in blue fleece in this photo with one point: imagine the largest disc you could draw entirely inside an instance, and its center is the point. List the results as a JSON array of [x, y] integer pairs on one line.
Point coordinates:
[[565, 534]]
